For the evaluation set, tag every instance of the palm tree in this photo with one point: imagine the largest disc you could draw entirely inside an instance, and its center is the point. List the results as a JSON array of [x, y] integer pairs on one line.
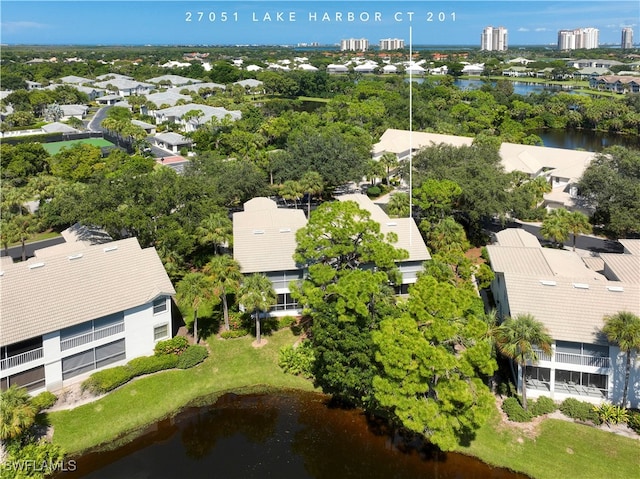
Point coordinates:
[[312, 183], [448, 235], [577, 223], [388, 160], [192, 290], [224, 273], [555, 226], [291, 190], [517, 338], [623, 329], [257, 294], [216, 229], [17, 414], [398, 206]]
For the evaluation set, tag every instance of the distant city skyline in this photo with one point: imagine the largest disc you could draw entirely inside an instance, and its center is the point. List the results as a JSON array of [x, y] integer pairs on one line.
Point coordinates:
[[262, 22]]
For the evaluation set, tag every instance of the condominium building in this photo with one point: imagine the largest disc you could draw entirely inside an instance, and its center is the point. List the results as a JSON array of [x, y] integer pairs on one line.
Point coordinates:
[[354, 44], [580, 38], [626, 42], [493, 39], [391, 44]]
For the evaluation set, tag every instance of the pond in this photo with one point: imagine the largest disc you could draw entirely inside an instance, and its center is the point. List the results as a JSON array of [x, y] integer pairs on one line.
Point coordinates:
[[519, 87], [285, 435]]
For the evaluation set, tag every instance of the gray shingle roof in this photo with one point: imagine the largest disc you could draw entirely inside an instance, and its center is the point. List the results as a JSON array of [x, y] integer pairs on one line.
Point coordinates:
[[46, 294]]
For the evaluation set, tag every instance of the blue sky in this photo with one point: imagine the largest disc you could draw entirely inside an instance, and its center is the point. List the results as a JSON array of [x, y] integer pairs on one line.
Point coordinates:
[[164, 22]]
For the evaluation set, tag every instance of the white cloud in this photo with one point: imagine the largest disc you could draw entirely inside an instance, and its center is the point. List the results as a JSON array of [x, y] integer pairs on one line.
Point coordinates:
[[15, 27], [542, 29], [523, 29]]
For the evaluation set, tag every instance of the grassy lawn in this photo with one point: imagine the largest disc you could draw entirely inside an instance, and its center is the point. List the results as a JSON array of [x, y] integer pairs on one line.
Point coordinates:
[[38, 237], [233, 365], [559, 449], [53, 148]]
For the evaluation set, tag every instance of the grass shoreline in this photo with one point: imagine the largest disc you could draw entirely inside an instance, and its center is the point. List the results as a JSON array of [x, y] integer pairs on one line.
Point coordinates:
[[557, 449]]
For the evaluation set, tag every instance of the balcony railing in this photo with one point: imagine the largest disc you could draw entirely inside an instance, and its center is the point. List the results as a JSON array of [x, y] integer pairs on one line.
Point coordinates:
[[577, 359], [91, 336], [583, 360], [23, 358]]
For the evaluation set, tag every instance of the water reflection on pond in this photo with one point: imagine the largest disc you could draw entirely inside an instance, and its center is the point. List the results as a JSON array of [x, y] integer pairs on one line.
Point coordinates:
[[288, 435]]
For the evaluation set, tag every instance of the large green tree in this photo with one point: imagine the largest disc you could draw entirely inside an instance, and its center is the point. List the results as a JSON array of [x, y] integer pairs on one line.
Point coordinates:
[[623, 329], [611, 184], [191, 292], [519, 338], [17, 414], [434, 360]]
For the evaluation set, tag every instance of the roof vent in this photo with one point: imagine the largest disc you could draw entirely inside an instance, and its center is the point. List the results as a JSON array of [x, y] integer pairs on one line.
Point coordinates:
[[581, 285], [285, 230], [1, 273], [75, 256], [392, 223], [36, 265], [258, 232], [547, 282], [110, 248], [616, 289]]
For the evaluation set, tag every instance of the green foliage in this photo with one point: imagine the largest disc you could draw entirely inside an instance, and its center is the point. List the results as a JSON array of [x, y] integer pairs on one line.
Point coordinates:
[[580, 410], [623, 329], [286, 321], [44, 400], [633, 420], [484, 275], [108, 379], [374, 191], [39, 460], [175, 345], [543, 405], [297, 359], [192, 356], [514, 410], [151, 364], [433, 359], [234, 333], [17, 413], [611, 414]]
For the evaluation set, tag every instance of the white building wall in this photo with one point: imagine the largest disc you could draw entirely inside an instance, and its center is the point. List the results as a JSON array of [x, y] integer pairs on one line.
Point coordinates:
[[52, 360], [139, 324], [617, 374]]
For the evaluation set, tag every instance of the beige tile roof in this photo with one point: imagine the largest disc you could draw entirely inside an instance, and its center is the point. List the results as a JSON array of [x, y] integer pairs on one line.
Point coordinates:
[[571, 313], [264, 236], [397, 141], [625, 267], [409, 237], [523, 260], [48, 293], [631, 245], [517, 237]]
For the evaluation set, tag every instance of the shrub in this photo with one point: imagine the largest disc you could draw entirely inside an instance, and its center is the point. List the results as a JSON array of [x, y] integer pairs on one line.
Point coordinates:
[[171, 346], [374, 191], [44, 400], [633, 420], [151, 364], [297, 360], [286, 321], [234, 333], [514, 411], [191, 356], [582, 411], [107, 380], [543, 405], [611, 414]]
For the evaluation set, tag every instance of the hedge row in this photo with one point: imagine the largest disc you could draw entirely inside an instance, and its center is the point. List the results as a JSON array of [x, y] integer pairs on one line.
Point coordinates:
[[108, 379]]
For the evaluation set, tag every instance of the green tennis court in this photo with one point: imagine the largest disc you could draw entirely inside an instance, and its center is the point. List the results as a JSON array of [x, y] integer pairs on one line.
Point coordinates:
[[53, 148]]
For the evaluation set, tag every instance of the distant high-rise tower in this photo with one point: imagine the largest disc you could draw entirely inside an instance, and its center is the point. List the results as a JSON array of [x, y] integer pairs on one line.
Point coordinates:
[[580, 38], [627, 38], [354, 44], [391, 44], [493, 39]]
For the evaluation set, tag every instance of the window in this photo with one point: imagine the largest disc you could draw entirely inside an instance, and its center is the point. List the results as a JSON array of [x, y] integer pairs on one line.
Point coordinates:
[[285, 302], [160, 332], [159, 305], [93, 359]]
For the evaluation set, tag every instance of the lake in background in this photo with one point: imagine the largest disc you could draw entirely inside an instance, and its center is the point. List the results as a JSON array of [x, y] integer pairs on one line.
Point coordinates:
[[293, 435]]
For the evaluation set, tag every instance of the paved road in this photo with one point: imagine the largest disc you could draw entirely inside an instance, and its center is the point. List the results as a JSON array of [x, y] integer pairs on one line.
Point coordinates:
[[16, 251]]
